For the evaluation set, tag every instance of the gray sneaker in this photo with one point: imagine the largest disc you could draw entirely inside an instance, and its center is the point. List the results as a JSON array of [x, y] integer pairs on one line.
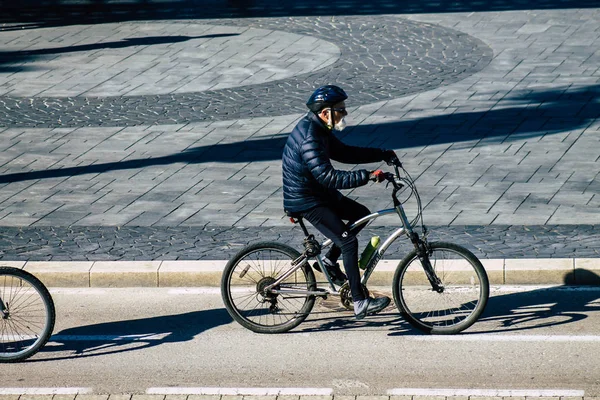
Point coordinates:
[[370, 305]]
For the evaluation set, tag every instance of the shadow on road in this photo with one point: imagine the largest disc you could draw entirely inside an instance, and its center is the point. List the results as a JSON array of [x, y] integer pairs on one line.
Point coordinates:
[[545, 307], [526, 115], [123, 336], [63, 12], [510, 312]]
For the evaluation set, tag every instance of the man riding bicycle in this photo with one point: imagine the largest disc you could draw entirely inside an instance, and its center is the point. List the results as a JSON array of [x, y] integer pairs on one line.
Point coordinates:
[[311, 183]]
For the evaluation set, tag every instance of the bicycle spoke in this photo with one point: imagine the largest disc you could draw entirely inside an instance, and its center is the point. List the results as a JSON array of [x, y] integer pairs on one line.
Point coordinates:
[[457, 305], [30, 318], [250, 302]]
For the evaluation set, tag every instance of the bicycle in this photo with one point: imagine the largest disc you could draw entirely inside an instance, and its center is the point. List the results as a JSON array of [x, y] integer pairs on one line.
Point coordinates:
[[27, 314], [439, 287]]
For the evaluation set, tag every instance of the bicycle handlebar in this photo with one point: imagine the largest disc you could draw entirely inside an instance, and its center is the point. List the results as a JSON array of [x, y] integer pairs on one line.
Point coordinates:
[[396, 164], [394, 179], [400, 181]]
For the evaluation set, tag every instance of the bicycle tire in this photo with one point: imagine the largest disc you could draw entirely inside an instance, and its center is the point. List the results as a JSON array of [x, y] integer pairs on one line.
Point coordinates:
[[30, 309], [465, 295], [274, 314]]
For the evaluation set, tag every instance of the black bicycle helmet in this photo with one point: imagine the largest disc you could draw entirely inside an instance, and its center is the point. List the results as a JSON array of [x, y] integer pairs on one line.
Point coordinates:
[[325, 96]]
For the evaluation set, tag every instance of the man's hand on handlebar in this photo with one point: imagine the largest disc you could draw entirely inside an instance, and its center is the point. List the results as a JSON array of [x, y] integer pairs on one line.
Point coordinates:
[[377, 176], [380, 176]]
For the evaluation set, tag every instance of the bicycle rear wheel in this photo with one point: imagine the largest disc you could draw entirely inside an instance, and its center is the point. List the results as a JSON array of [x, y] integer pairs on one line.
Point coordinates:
[[464, 296], [256, 267], [27, 314]]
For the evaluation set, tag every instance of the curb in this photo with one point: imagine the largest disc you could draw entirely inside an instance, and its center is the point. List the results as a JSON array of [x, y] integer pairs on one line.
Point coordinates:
[[281, 394], [207, 273]]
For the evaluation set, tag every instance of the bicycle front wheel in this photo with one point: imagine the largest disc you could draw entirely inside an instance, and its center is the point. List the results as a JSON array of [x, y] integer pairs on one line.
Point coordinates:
[[253, 269], [460, 301], [26, 314]]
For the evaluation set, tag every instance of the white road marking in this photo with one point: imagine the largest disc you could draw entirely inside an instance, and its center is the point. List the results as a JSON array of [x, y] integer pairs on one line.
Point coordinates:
[[241, 391], [82, 290], [217, 290], [148, 337], [42, 390], [487, 392], [485, 337], [199, 290], [477, 337], [531, 288]]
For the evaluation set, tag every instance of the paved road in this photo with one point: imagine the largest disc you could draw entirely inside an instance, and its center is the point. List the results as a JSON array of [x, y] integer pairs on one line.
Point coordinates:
[[170, 131], [130, 340]]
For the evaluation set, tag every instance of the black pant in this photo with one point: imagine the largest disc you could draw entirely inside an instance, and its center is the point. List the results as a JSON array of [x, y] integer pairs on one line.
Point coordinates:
[[328, 220]]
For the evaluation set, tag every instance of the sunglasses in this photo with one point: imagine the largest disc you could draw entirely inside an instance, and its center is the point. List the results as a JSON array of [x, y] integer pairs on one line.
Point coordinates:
[[340, 110]]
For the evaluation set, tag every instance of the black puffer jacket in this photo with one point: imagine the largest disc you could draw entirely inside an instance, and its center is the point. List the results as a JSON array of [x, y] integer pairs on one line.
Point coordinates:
[[309, 179]]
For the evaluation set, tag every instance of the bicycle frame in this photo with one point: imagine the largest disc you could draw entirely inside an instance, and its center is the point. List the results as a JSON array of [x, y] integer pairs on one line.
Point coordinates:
[[375, 258], [406, 228]]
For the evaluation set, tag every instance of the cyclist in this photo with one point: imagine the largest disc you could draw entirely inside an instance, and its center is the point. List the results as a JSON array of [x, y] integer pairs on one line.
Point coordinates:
[[311, 183]]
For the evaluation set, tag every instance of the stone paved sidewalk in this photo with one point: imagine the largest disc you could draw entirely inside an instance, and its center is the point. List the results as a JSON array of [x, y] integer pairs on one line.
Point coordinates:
[[495, 113], [210, 243]]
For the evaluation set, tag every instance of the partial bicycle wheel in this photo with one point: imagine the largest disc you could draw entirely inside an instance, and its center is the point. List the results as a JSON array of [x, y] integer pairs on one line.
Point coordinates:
[[460, 301], [253, 269], [27, 314]]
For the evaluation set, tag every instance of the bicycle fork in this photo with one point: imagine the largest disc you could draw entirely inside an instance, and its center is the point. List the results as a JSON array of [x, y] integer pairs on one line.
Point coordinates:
[[423, 255], [422, 250]]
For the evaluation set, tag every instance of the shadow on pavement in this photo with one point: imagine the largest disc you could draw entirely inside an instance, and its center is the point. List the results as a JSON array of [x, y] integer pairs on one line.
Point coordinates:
[[63, 12], [123, 336], [545, 307], [17, 57], [526, 115], [539, 308], [511, 312]]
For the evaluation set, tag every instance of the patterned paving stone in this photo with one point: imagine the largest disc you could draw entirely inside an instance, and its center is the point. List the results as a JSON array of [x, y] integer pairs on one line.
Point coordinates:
[[506, 158], [381, 58], [95, 243], [153, 58]]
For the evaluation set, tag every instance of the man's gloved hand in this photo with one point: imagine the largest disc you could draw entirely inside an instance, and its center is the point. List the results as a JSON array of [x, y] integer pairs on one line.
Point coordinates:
[[390, 157], [377, 176]]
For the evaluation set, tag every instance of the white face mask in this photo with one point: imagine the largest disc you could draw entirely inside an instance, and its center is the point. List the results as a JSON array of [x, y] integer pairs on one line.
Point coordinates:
[[340, 126]]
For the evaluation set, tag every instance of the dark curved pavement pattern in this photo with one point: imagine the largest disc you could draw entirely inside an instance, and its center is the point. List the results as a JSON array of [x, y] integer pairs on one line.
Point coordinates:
[[398, 58]]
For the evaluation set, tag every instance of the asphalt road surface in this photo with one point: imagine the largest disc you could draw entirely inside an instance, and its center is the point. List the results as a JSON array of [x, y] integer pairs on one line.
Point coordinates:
[[168, 340]]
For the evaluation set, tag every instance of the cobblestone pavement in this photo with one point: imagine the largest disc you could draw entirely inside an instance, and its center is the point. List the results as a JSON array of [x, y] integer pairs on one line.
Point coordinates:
[[181, 75], [206, 243], [494, 113]]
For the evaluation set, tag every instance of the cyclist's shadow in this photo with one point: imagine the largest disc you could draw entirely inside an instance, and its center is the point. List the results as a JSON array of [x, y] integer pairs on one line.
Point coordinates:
[[330, 315], [128, 335], [513, 311], [539, 308]]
